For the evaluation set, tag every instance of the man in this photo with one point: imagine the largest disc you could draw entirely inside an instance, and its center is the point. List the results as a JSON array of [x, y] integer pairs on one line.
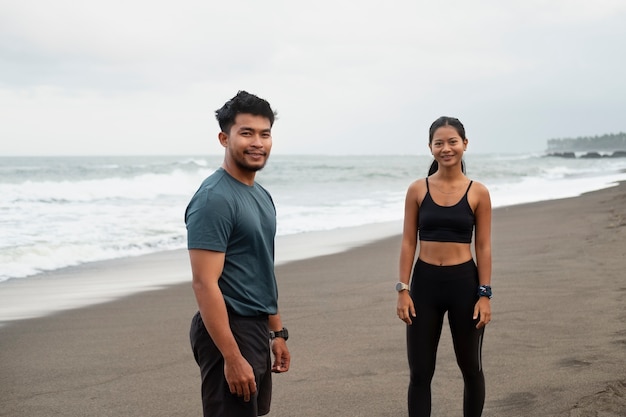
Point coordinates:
[[231, 224]]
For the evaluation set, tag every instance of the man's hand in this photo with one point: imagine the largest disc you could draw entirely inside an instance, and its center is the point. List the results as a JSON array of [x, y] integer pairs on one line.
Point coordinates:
[[240, 377], [282, 358]]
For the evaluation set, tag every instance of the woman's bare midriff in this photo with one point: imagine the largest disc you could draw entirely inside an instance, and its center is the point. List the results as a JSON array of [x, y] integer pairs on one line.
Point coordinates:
[[444, 253]]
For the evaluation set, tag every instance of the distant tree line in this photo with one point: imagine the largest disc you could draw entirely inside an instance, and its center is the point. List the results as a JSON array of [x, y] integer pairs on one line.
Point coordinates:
[[609, 142]]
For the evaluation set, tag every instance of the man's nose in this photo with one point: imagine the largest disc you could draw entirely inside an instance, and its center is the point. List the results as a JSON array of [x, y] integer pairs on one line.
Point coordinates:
[[257, 140]]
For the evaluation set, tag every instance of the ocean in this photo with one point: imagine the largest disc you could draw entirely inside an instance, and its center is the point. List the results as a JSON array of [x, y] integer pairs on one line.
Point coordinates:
[[57, 212]]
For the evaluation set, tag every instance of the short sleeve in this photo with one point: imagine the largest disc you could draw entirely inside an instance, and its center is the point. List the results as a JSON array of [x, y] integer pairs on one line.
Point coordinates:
[[209, 220]]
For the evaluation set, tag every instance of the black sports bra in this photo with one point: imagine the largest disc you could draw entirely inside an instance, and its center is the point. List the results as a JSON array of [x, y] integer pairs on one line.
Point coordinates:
[[446, 223]]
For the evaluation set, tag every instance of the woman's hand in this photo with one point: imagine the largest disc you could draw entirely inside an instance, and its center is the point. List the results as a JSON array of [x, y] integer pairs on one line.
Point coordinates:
[[405, 308], [482, 310]]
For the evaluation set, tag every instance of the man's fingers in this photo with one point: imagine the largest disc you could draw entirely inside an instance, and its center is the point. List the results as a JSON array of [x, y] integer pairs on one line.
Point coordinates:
[[245, 390], [282, 364]]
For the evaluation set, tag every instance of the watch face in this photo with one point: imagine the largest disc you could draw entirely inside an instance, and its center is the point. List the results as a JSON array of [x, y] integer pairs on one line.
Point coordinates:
[[401, 287]]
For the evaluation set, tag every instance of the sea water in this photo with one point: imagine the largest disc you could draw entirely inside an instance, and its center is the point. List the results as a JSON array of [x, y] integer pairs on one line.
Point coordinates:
[[62, 211]]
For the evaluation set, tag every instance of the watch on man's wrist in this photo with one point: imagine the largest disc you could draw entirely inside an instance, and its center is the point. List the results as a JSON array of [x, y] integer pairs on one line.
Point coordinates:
[[401, 286], [280, 333]]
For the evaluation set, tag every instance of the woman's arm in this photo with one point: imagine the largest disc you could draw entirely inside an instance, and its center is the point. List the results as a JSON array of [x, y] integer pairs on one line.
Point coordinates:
[[482, 246], [405, 307]]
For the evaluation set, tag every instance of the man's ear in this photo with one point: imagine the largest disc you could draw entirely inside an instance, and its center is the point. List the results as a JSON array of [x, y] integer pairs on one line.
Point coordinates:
[[223, 138]]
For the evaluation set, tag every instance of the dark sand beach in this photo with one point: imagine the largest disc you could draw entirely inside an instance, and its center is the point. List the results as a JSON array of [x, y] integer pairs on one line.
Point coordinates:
[[556, 346]]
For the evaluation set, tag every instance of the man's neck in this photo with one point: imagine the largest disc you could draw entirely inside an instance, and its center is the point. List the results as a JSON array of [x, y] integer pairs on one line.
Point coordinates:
[[243, 176]]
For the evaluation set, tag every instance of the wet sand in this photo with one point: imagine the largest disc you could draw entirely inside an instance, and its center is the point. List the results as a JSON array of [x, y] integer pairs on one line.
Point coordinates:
[[556, 346]]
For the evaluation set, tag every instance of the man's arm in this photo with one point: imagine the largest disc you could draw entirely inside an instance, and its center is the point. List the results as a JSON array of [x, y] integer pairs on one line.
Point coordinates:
[[282, 357], [206, 268]]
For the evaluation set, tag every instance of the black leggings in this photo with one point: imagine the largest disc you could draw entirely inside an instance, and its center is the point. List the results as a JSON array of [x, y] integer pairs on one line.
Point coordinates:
[[435, 290]]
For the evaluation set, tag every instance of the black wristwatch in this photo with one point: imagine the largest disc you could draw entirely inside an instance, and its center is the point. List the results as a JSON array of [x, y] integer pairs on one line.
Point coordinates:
[[281, 333]]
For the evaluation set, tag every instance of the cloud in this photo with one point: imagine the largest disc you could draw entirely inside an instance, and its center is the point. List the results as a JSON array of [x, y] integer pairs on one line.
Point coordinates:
[[369, 77]]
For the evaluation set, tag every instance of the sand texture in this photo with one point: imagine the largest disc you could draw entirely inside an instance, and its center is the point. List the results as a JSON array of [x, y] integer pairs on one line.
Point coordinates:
[[556, 346]]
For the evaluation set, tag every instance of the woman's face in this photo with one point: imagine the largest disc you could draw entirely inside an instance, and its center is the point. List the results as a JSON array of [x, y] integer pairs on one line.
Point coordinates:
[[447, 146]]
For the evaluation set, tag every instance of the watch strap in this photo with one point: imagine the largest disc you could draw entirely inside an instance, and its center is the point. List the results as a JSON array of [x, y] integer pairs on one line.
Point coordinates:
[[280, 333]]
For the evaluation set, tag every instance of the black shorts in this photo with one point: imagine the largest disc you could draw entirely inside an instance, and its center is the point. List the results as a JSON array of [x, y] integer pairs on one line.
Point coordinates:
[[252, 336]]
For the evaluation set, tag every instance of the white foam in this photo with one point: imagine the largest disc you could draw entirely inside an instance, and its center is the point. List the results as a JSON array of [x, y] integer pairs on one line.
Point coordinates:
[[535, 189], [99, 282]]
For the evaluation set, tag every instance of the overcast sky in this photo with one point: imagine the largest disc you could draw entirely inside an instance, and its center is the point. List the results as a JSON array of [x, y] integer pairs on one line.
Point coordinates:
[[347, 77]]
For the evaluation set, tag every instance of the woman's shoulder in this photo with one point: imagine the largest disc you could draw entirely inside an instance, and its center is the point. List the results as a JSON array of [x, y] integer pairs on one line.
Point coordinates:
[[417, 190], [418, 184], [479, 195], [479, 186]]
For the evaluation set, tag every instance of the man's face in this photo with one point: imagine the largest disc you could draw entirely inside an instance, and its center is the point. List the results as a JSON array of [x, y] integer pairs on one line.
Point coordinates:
[[249, 142]]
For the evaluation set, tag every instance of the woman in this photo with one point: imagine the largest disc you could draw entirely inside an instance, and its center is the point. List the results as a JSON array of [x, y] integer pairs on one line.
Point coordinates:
[[444, 210]]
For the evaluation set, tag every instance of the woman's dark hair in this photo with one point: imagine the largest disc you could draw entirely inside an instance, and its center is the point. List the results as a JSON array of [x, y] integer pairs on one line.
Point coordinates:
[[243, 102], [441, 122]]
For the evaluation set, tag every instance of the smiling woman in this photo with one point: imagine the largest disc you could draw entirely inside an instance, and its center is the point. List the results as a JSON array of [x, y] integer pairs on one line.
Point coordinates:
[[443, 210], [446, 142]]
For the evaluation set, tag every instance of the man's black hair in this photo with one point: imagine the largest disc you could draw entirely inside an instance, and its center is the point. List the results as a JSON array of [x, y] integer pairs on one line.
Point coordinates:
[[243, 102]]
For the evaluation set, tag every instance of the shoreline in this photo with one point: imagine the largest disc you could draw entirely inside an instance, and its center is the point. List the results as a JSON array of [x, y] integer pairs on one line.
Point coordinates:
[[62, 289], [52, 241], [554, 349], [51, 292], [65, 289]]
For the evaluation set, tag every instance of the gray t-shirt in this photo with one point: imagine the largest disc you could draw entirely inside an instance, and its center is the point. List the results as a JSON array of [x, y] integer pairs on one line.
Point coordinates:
[[228, 216]]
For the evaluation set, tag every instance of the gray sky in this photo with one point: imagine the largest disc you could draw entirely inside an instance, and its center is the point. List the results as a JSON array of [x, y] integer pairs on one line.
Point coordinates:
[[347, 77]]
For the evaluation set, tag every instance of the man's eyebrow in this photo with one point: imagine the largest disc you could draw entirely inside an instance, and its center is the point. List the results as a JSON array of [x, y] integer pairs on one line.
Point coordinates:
[[251, 129]]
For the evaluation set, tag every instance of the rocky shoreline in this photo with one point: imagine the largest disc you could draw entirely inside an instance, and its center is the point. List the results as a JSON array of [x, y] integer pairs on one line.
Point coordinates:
[[588, 155]]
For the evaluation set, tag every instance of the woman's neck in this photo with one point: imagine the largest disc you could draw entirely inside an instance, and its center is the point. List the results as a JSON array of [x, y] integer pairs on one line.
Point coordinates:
[[449, 174]]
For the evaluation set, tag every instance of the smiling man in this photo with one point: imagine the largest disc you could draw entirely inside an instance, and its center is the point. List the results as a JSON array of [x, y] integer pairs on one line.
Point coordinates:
[[231, 225]]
